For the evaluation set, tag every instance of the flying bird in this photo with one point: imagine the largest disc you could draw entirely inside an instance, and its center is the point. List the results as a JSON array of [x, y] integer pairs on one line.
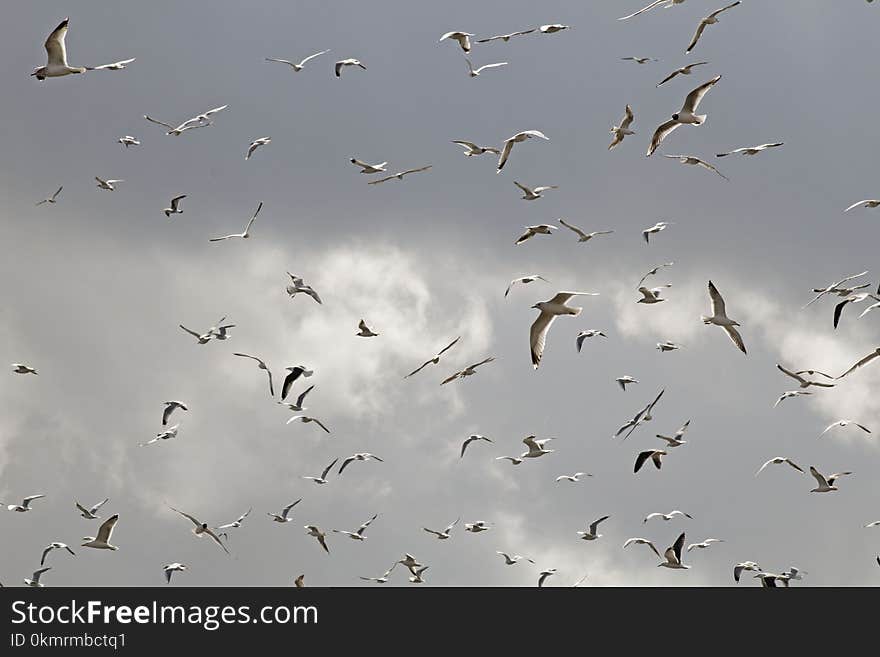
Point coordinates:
[[56, 57], [623, 381], [21, 368], [663, 347], [511, 560], [285, 513], [261, 364], [519, 137], [477, 527], [644, 415], [550, 310], [92, 512], [583, 335], [471, 439], [622, 130], [470, 370], [553, 28], [667, 516], [472, 149], [105, 532], [656, 456], [844, 423], [702, 545], [640, 60], [235, 524], [400, 174], [25, 505], [673, 555], [444, 535], [789, 394], [320, 536], [592, 534], [174, 208], [669, 3], [684, 70], [52, 199], [652, 295], [826, 484], [109, 185], [778, 460], [506, 37], [383, 579], [365, 331], [800, 379], [342, 63], [654, 271], [531, 278], [684, 115], [367, 167], [247, 229], [323, 478], [171, 568], [573, 478], [167, 434], [531, 231], [544, 574], [745, 565], [358, 534], [305, 419], [55, 545], [536, 447], [360, 456], [642, 541], [294, 373], [298, 286], [533, 193], [867, 203], [692, 160], [34, 581], [201, 528], [653, 230], [170, 407], [255, 144], [582, 236], [463, 38], [864, 361], [297, 67], [675, 440], [835, 288], [711, 19], [436, 358], [719, 318], [750, 150], [474, 72]]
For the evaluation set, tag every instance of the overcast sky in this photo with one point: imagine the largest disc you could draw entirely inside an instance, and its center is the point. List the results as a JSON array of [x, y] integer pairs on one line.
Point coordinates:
[[94, 289]]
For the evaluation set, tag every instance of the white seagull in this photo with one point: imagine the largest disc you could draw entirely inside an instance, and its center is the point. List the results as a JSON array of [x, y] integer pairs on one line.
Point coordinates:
[[693, 160], [550, 310], [463, 39], [294, 373], [285, 513], [684, 70], [790, 393], [436, 358], [477, 527], [320, 536], [167, 434], [56, 57], [624, 380], [536, 447], [298, 286], [531, 231], [663, 347], [365, 331], [669, 3], [573, 478], [622, 130], [400, 174], [745, 565], [800, 379], [297, 67], [867, 203], [719, 318], [711, 19], [442, 536], [667, 516], [472, 149], [200, 528], [358, 534], [750, 150], [305, 419], [675, 440], [655, 270], [261, 364], [835, 288], [506, 37], [653, 230], [704, 544], [170, 407], [34, 581], [652, 295], [512, 560], [471, 439], [21, 368], [583, 335], [92, 512], [235, 524], [642, 541], [551, 29], [532, 193], [171, 568], [684, 115], [582, 236], [531, 278], [470, 370], [255, 144], [383, 579], [55, 545], [323, 478], [360, 456], [673, 555], [864, 361], [826, 484], [544, 574], [174, 209], [474, 72], [247, 229], [105, 531], [342, 63], [366, 167], [656, 456], [844, 423], [109, 185], [52, 199], [591, 534], [25, 505], [516, 139]]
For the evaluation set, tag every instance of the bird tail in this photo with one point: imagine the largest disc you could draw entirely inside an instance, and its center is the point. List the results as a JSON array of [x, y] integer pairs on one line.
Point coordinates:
[[701, 117]]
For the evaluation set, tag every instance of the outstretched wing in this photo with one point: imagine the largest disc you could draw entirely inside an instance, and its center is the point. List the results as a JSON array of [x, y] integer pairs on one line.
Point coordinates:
[[56, 49], [694, 97], [661, 133]]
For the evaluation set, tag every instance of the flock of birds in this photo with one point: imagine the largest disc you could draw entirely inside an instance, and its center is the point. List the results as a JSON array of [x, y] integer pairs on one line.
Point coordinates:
[[556, 306]]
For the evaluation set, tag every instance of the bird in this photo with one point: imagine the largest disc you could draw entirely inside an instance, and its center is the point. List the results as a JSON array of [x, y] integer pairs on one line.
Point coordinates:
[[644, 415], [669, 3], [826, 484], [536, 447], [235, 524], [298, 286], [704, 544], [92, 512], [719, 318], [105, 531], [622, 381], [297, 67], [583, 335], [170, 407], [656, 455], [172, 568], [365, 331], [533, 193], [207, 336], [51, 199], [506, 37], [298, 582], [358, 534], [255, 144], [247, 229], [582, 236], [876, 523], [174, 209], [640, 60], [342, 63], [667, 516], [551, 29], [294, 373], [544, 574], [25, 505], [684, 115], [470, 370], [663, 347], [285, 513], [109, 185], [519, 137], [861, 363], [511, 560], [34, 580], [471, 439], [55, 545], [167, 434], [400, 174], [867, 203], [531, 231], [321, 537], [514, 460], [436, 358], [790, 393], [693, 160], [472, 149], [21, 368], [622, 130], [794, 573], [834, 288], [675, 440], [56, 55], [655, 270], [684, 70], [656, 228], [768, 580], [673, 555], [367, 167], [416, 577], [591, 534], [305, 419], [384, 578], [360, 456], [573, 478], [750, 150], [201, 528], [474, 72], [800, 379], [711, 19], [844, 423], [443, 535], [856, 298], [531, 278], [745, 565], [549, 311], [652, 295], [477, 527], [463, 38], [642, 541], [189, 124], [261, 364]]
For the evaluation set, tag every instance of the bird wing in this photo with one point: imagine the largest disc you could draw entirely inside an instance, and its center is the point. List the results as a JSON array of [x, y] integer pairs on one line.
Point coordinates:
[[211, 533], [365, 525], [855, 205], [449, 346], [56, 49], [735, 337], [538, 336], [679, 543], [464, 445], [419, 170], [485, 66], [793, 375], [525, 189], [700, 27], [288, 381], [281, 61], [628, 118], [818, 476], [717, 301], [55, 195], [642, 10], [449, 378], [640, 460], [302, 396], [113, 66], [730, 6], [191, 332], [482, 362], [692, 101], [345, 463], [286, 510], [320, 424], [419, 368], [317, 54], [661, 133], [106, 528], [157, 122], [194, 521], [381, 180], [864, 361], [505, 153], [594, 526], [327, 469], [794, 465], [838, 309], [668, 78]]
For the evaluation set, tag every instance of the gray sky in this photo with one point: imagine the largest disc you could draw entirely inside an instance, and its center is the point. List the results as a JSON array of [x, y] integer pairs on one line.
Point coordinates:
[[95, 287]]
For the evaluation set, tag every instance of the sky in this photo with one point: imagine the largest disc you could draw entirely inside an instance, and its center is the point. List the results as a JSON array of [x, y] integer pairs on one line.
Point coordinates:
[[94, 288]]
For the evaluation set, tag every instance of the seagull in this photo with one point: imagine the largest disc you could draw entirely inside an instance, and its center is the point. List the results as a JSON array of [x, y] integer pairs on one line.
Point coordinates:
[[92, 512], [684, 115], [463, 39], [297, 67], [416, 577], [204, 338], [531, 231], [684, 70], [655, 455], [583, 335], [205, 118], [530, 194], [246, 234], [573, 478], [768, 580], [25, 505], [656, 228], [864, 361], [711, 19], [360, 456], [719, 318], [790, 393], [400, 174], [794, 573], [477, 527], [369, 168], [550, 29], [531, 278], [383, 579], [346, 62], [536, 447], [52, 199], [109, 185], [472, 149], [804, 382], [834, 288], [436, 358], [56, 56], [475, 72], [826, 484], [876, 523], [55, 546], [516, 139], [298, 286], [506, 37], [470, 370], [622, 130], [441, 535], [262, 365], [313, 530], [513, 459], [102, 542], [675, 440], [704, 544], [201, 528], [690, 159], [298, 582], [294, 373], [640, 60], [34, 582], [550, 310], [365, 331], [162, 435], [512, 560], [544, 574], [358, 534], [582, 236], [669, 3], [255, 144], [655, 270], [174, 206], [652, 295], [673, 555], [855, 298], [844, 423], [750, 150], [471, 439], [663, 347], [306, 419], [745, 565], [21, 368], [591, 535], [235, 524], [642, 541], [667, 516], [189, 124], [624, 380], [644, 415], [285, 513], [170, 407], [171, 568], [867, 203]]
